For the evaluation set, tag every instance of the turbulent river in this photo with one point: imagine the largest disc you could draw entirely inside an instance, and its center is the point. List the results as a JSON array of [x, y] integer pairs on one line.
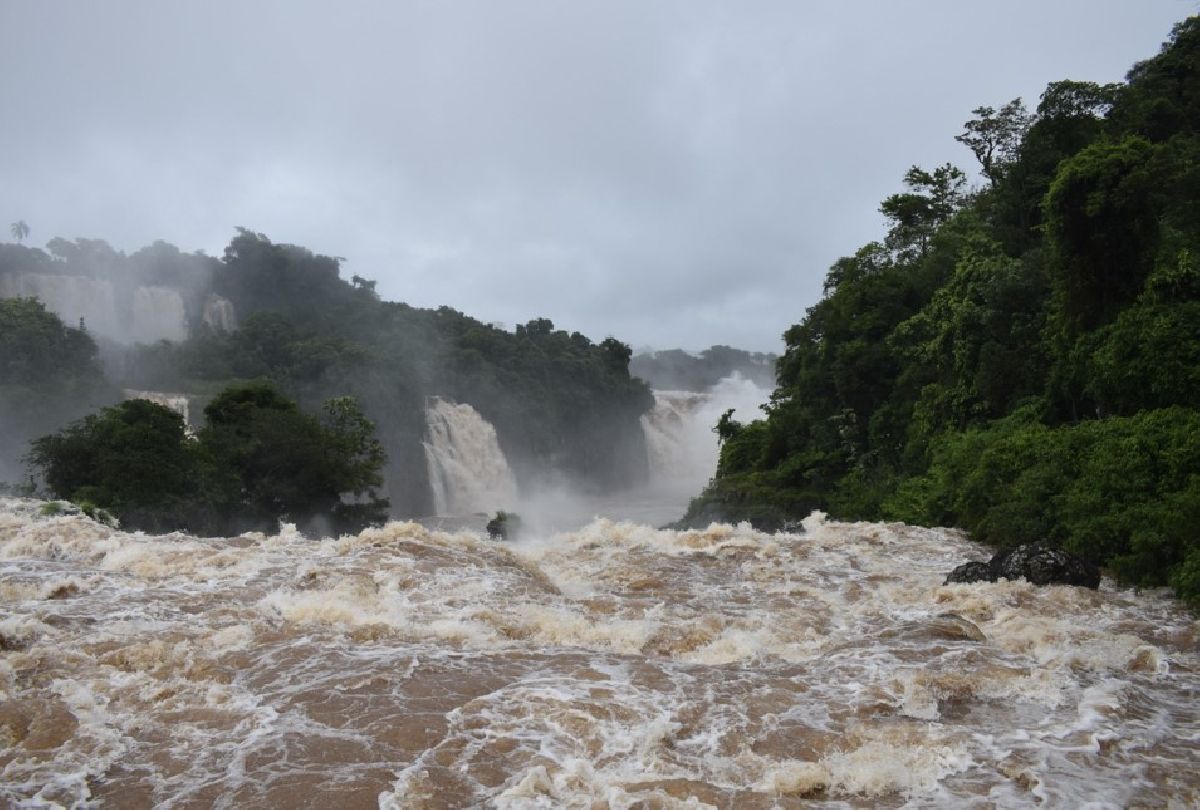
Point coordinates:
[[611, 667]]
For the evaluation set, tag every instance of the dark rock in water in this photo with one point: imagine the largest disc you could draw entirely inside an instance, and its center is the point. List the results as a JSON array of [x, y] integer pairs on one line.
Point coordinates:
[[1043, 565], [504, 526], [971, 572], [1036, 562]]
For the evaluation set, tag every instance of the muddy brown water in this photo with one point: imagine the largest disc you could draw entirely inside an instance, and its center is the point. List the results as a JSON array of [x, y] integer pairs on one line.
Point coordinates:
[[611, 667]]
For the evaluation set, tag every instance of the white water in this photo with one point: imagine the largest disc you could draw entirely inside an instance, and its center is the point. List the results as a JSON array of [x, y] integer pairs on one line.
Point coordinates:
[[157, 315], [615, 666], [70, 298], [467, 469], [219, 314], [157, 312], [682, 444]]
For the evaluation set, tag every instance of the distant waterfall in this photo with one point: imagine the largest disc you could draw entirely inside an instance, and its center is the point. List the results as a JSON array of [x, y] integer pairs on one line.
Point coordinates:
[[219, 314], [69, 297], [682, 446], [467, 469], [157, 315]]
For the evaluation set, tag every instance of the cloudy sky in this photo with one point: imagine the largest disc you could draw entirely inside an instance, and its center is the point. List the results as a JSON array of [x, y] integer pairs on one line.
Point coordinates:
[[672, 172]]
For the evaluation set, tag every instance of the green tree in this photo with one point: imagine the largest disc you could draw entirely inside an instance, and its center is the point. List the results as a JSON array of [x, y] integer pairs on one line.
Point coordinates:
[[132, 459], [281, 463], [19, 230], [995, 135], [931, 199]]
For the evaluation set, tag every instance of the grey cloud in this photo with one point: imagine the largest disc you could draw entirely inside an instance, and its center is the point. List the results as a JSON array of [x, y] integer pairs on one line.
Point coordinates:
[[673, 173]]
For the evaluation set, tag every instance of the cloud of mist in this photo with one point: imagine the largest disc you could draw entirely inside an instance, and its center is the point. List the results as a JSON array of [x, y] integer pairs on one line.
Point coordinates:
[[675, 173]]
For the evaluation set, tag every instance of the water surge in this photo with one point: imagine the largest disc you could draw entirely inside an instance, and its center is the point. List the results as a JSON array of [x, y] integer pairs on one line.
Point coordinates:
[[614, 666]]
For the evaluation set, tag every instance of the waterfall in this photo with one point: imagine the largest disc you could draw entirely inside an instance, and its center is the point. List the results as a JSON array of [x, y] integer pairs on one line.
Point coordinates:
[[682, 446], [68, 297], [157, 315], [218, 313], [467, 469]]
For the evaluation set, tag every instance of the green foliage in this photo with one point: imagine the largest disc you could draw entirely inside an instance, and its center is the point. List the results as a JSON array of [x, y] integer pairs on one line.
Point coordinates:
[[931, 199], [36, 347], [1102, 228], [131, 458], [259, 459], [1023, 362], [995, 136], [48, 376], [558, 401]]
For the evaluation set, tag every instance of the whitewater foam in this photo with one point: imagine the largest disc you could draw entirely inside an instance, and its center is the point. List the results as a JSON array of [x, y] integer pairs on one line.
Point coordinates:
[[406, 667]]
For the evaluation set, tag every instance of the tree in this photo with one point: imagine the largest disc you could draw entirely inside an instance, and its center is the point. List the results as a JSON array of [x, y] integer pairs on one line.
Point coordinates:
[[279, 462], [259, 459], [931, 199], [132, 459], [36, 346], [995, 135], [19, 230]]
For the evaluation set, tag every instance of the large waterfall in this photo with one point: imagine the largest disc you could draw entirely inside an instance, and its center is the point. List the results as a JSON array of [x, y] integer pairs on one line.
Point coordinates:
[[679, 432], [467, 469]]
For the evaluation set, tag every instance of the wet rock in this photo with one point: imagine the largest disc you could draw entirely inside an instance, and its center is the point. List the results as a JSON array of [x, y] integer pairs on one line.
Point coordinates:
[[971, 572], [1043, 565], [1035, 562], [504, 526]]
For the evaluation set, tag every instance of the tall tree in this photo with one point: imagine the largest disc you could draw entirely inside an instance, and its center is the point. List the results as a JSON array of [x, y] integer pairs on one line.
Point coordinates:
[[995, 135], [19, 230]]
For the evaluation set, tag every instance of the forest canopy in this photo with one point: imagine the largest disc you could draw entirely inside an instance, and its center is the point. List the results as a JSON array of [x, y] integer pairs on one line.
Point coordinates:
[[1020, 359]]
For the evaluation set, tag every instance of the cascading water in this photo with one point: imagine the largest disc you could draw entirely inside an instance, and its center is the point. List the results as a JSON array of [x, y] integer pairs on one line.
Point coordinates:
[[613, 666], [467, 469], [218, 313], [679, 432], [70, 298], [158, 314]]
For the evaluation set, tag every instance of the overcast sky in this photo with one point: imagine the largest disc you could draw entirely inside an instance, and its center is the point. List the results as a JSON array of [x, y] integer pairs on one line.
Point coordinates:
[[672, 173]]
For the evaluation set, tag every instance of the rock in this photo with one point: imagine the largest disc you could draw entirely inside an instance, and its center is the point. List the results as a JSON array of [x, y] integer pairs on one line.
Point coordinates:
[[1036, 562], [971, 572], [1043, 565], [504, 526]]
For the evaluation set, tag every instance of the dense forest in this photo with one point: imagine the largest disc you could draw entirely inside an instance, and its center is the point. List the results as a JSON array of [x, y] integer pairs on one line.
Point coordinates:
[[1020, 359], [563, 406]]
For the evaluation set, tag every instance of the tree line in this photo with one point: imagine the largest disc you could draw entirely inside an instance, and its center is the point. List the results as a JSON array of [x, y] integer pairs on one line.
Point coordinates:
[[1020, 359]]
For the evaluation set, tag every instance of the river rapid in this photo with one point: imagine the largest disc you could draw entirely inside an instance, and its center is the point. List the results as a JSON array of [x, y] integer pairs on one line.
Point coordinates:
[[615, 666]]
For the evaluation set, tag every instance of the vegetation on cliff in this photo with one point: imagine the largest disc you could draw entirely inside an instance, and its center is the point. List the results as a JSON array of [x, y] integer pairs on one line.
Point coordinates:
[[561, 404], [1021, 359]]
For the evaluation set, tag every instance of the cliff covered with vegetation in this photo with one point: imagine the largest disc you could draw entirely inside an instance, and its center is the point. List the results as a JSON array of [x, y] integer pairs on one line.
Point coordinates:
[[1021, 359], [562, 405]]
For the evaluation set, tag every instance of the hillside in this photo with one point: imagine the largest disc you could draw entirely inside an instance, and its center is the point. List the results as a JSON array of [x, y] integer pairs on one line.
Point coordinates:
[[1020, 359]]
